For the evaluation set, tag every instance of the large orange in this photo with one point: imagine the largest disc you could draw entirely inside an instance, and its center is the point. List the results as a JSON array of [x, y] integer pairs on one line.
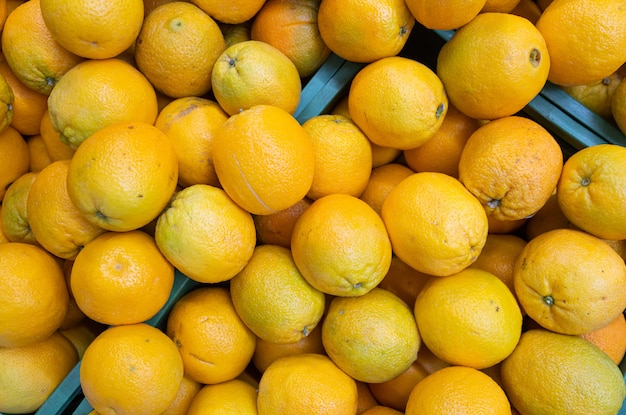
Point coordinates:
[[264, 159], [494, 65]]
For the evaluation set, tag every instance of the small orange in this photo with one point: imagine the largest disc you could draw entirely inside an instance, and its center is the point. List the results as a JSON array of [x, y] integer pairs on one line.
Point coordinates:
[[556, 281], [381, 410], [494, 65], [435, 224], [445, 15], [37, 153], [35, 298], [610, 338], [57, 149], [186, 393], [177, 47], [341, 246], [96, 31], [505, 226], [365, 398], [236, 32], [343, 156], [512, 165], [233, 396], [382, 179], [190, 124], [403, 281], [74, 316], [398, 102], [591, 190], [277, 228], [14, 210], [253, 73], [457, 389], [215, 345], [81, 335], [30, 373], [291, 27], [549, 217], [121, 278], [267, 352], [499, 6], [230, 13], [528, 9], [365, 31], [306, 384], [264, 159], [123, 176], [14, 158], [131, 369], [443, 151], [55, 221]]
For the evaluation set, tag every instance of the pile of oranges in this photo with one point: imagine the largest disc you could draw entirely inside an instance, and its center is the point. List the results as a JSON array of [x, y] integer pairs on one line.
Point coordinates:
[[422, 248]]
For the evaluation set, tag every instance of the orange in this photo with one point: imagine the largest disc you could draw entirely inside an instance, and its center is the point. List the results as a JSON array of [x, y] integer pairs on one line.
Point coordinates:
[[556, 281], [443, 151], [82, 334], [132, 179], [341, 246], [74, 316], [30, 373], [3, 236], [500, 6], [149, 5], [372, 337], [365, 398], [117, 92], [591, 190], [96, 31], [131, 369], [277, 228], [435, 224], [343, 156], [190, 124], [253, 73], [230, 13], [28, 104], [306, 384], [291, 27], [57, 149], [186, 393], [549, 217], [32, 52], [273, 299], [559, 374], [205, 235], [6, 103], [528, 9], [215, 345], [512, 165], [236, 32], [14, 158], [382, 179], [121, 278], [38, 154], [403, 281], [177, 47], [381, 410], [618, 106], [494, 65], [264, 159], [611, 338], [230, 397], [267, 352], [365, 31], [505, 226], [470, 318], [457, 389], [4, 12], [14, 210], [35, 298], [398, 102], [586, 39], [54, 220], [597, 95], [446, 15]]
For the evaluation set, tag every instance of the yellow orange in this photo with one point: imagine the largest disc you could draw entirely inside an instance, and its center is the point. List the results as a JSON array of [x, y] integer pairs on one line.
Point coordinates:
[[446, 15], [597, 95], [6, 103], [267, 352], [14, 210], [37, 153], [14, 158], [57, 149], [233, 396], [382, 179], [403, 281], [186, 393], [230, 13]]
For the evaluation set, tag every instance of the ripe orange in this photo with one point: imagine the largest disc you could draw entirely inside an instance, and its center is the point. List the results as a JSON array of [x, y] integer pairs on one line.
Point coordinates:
[[343, 156], [215, 345], [341, 246], [446, 15], [306, 384], [559, 374], [382, 179], [457, 389], [6, 104], [190, 124], [512, 165], [263, 159], [30, 373], [597, 95], [586, 39], [177, 47], [365, 31], [273, 299], [35, 298], [500, 6], [381, 410], [14, 158], [205, 234], [267, 352], [37, 153], [14, 213], [291, 27], [233, 396], [57, 149], [186, 393], [236, 32], [549, 217], [365, 399], [618, 106], [556, 281], [277, 228], [131, 369], [121, 278], [82, 334], [611, 339], [230, 13], [435, 224], [53, 218], [398, 102], [117, 92], [253, 73], [494, 65], [403, 281], [32, 52], [446, 308], [591, 190], [96, 31], [123, 176], [529, 9]]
